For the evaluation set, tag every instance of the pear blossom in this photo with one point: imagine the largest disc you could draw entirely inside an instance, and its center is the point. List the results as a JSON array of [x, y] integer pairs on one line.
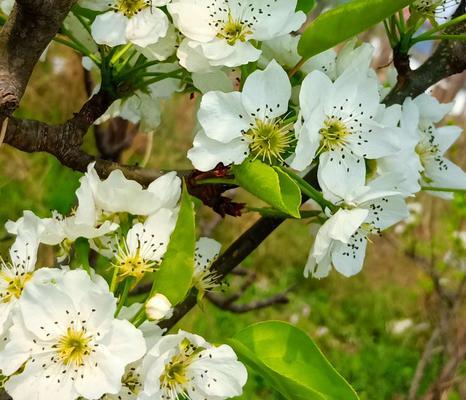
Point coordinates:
[[140, 22], [342, 239], [220, 32], [186, 366], [434, 142], [284, 49], [117, 194], [239, 124], [65, 343], [440, 10], [144, 245], [16, 274], [341, 123], [207, 251]]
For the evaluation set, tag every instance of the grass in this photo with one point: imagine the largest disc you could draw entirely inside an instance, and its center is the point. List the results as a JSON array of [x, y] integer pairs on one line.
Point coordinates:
[[350, 319]]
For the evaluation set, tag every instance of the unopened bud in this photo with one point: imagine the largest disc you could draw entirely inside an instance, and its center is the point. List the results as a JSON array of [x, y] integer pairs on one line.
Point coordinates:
[[158, 307]]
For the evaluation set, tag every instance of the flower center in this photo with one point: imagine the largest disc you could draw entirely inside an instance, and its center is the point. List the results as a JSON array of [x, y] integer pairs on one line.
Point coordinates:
[[234, 30], [133, 265], [132, 381], [333, 134], [129, 8], [174, 377], [434, 6], [74, 347], [15, 286], [270, 140]]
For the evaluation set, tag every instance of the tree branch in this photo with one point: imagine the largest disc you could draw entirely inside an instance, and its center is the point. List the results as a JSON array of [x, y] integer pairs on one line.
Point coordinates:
[[30, 28], [227, 305], [449, 59]]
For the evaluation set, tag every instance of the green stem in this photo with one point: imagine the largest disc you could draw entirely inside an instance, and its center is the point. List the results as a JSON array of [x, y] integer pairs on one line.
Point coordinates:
[[430, 33], [308, 190], [78, 48], [448, 190], [217, 181], [124, 295], [114, 282], [138, 68], [83, 22], [120, 53]]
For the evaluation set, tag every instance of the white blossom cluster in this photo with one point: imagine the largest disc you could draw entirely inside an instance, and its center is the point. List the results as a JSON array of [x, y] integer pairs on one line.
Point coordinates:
[[65, 333]]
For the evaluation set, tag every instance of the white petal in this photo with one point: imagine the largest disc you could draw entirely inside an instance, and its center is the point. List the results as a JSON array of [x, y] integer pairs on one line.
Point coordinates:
[[266, 94], [340, 172], [430, 109], [147, 27], [222, 116], [110, 29], [225, 375], [446, 136], [314, 86], [348, 258], [220, 53], [207, 251], [168, 190], [193, 20], [308, 140], [207, 153]]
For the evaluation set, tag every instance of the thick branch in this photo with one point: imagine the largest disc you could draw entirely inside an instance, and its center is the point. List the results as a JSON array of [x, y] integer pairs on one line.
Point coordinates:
[[25, 36], [64, 141], [449, 59]]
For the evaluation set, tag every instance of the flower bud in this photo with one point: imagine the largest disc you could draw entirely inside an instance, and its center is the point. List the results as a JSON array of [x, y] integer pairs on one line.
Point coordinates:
[[158, 307]]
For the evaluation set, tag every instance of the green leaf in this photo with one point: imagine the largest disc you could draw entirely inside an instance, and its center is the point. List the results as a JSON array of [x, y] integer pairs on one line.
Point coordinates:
[[291, 361], [174, 277], [344, 22], [269, 184], [305, 5]]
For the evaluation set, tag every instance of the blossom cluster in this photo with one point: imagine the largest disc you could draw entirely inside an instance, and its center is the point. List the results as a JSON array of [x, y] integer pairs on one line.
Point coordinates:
[[69, 332]]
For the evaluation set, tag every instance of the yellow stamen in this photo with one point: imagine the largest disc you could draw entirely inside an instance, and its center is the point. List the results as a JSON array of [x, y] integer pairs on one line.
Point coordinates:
[[73, 347], [270, 140], [15, 286], [129, 8], [333, 135], [234, 30]]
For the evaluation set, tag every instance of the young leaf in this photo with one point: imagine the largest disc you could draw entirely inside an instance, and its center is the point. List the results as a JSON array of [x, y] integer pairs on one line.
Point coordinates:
[[269, 184], [344, 22], [174, 277], [305, 5], [291, 362]]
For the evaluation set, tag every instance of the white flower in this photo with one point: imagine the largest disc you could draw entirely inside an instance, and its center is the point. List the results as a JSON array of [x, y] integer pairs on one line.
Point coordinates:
[[186, 366], [65, 343], [145, 244], [251, 122], [440, 9], [140, 22], [334, 64], [342, 239], [117, 194], [405, 163], [158, 307], [341, 125], [207, 251], [16, 274], [219, 32], [434, 142]]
